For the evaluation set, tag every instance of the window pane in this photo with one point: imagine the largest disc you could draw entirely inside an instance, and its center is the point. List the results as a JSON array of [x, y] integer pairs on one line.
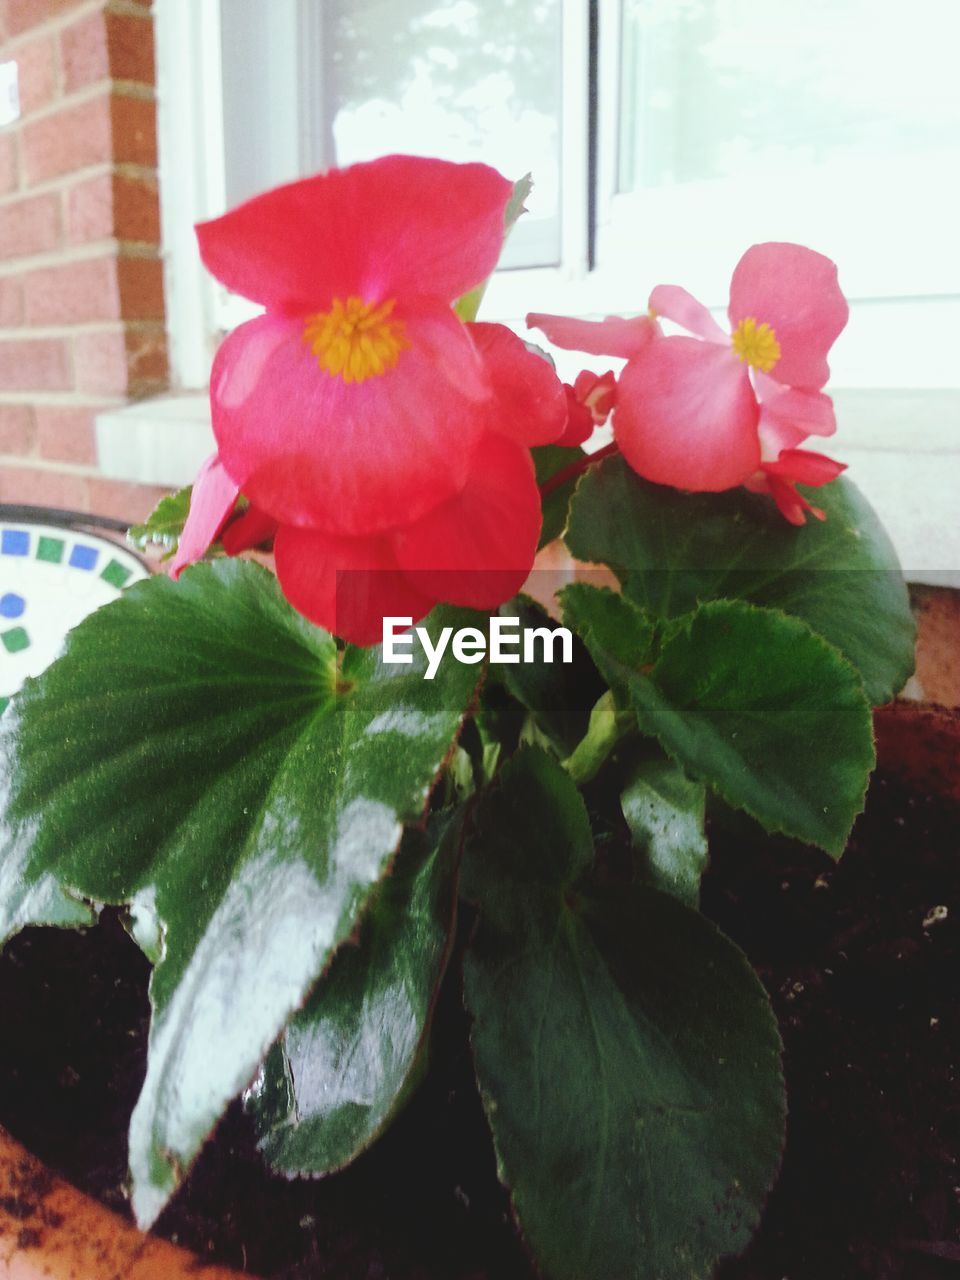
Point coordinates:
[[832, 122], [458, 79]]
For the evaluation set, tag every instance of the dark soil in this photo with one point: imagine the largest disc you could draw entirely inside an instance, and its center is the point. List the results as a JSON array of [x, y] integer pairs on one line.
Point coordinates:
[[863, 968]]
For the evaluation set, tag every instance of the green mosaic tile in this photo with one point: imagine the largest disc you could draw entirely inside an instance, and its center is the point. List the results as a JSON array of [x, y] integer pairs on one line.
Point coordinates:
[[116, 574], [15, 640], [50, 549]]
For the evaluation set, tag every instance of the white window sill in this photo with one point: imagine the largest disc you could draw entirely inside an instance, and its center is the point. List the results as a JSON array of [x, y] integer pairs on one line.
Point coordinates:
[[914, 489]]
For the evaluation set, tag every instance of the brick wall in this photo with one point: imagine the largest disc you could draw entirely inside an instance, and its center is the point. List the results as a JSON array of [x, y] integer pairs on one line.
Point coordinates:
[[81, 283]]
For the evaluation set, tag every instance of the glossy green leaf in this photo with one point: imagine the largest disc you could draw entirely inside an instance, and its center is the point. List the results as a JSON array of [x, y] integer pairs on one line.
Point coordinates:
[[200, 751], [348, 1060], [664, 810], [674, 550], [560, 695], [550, 460], [747, 700], [164, 525], [627, 1055]]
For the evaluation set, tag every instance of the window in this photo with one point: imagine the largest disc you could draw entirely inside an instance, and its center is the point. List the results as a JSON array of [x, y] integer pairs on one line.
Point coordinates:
[[664, 136]]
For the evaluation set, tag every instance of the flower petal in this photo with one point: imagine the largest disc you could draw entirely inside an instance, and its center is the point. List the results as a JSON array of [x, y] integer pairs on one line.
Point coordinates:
[[687, 416], [251, 529], [529, 404], [213, 498], [580, 424], [682, 308], [347, 585], [790, 415], [615, 336], [795, 291], [803, 466], [396, 227], [598, 392], [357, 458], [478, 549]]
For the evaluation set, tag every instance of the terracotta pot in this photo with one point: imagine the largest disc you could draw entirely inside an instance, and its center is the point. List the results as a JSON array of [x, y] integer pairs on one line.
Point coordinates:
[[50, 1230]]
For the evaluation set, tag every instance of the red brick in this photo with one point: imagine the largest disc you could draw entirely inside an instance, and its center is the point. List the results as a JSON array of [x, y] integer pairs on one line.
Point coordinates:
[[9, 177], [68, 140], [141, 288], [34, 364], [130, 42], [101, 362], [73, 293], [83, 52], [121, 361], [30, 225], [36, 73], [103, 45], [136, 209], [11, 302], [24, 14], [66, 434], [112, 205], [90, 209], [17, 429], [44, 488], [122, 500], [134, 130]]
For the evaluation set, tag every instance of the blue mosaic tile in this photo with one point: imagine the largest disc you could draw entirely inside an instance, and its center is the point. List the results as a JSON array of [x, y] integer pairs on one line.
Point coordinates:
[[82, 557], [12, 605], [14, 542]]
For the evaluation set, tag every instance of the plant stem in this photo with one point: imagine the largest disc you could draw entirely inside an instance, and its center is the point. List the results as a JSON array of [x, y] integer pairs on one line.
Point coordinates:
[[576, 468]]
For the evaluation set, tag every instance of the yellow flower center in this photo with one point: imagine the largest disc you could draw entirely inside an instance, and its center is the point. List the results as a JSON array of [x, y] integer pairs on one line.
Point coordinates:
[[356, 340], [756, 344]]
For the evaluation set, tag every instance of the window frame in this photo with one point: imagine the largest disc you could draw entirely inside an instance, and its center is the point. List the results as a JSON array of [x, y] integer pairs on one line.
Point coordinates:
[[903, 474]]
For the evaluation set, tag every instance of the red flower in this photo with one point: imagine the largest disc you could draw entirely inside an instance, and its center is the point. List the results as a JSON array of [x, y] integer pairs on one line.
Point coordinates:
[[780, 478], [590, 402], [691, 410], [386, 441]]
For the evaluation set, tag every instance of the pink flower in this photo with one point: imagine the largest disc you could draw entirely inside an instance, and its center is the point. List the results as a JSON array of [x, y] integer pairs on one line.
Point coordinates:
[[386, 442], [692, 411]]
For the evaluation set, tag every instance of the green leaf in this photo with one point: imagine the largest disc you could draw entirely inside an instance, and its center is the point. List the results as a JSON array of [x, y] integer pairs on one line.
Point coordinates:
[[664, 810], [468, 306], [749, 701], [199, 751], [349, 1059], [550, 460], [164, 525], [674, 550], [627, 1055], [560, 695], [517, 204]]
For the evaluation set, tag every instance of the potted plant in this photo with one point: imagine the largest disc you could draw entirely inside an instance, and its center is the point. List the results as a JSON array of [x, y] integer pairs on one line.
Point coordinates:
[[321, 795]]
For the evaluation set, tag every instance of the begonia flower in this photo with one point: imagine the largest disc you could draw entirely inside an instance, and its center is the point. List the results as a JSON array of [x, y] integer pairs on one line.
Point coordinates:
[[590, 402], [358, 400], [689, 408], [381, 441], [779, 479]]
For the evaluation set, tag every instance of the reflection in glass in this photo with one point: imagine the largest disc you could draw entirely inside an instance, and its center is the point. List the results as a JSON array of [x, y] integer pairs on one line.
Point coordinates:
[[834, 121], [458, 79]]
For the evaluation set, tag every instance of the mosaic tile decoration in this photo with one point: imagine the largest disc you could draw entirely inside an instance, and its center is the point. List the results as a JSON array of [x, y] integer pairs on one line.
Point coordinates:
[[51, 579]]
